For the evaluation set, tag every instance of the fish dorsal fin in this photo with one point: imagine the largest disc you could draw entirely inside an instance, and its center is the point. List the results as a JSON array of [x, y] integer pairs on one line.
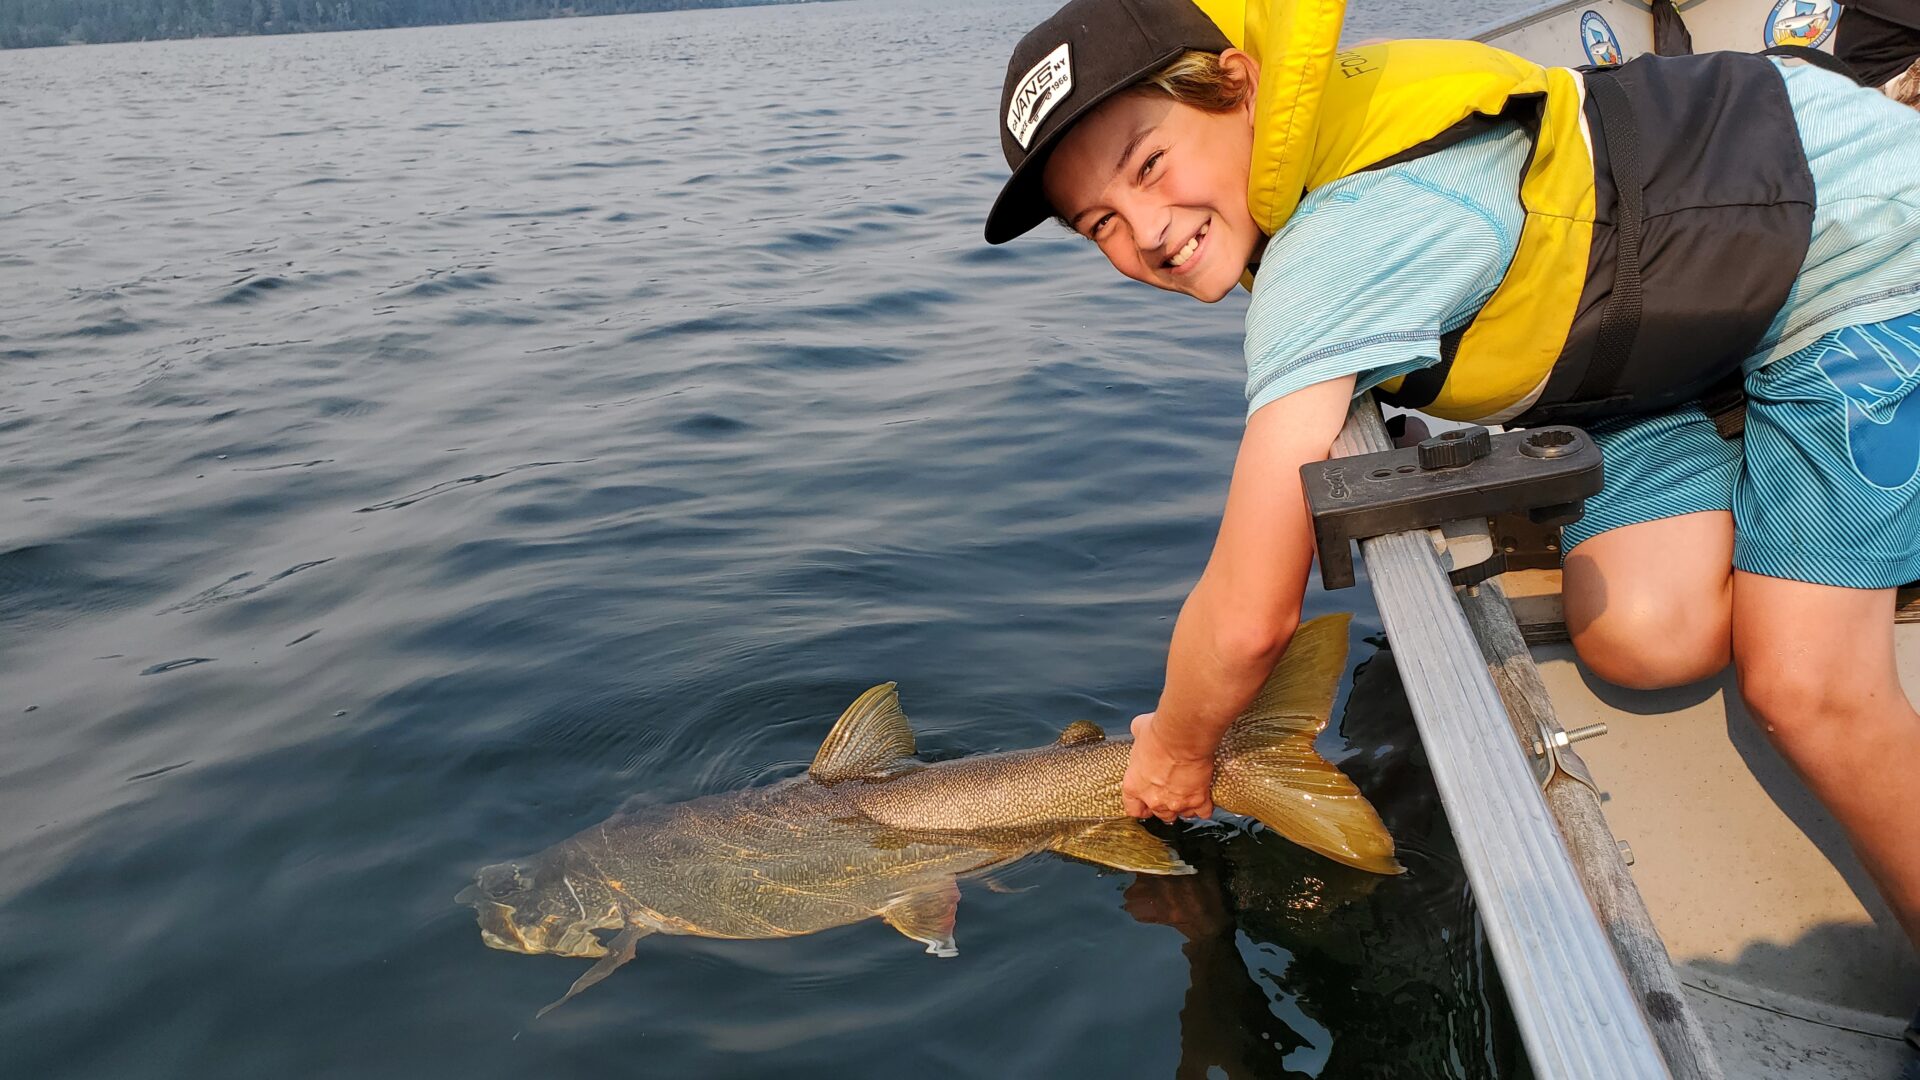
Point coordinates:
[[1081, 731], [872, 734], [1123, 844], [1299, 694], [926, 915]]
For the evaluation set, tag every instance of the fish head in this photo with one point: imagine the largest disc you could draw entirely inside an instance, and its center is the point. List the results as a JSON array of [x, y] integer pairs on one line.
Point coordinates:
[[537, 905]]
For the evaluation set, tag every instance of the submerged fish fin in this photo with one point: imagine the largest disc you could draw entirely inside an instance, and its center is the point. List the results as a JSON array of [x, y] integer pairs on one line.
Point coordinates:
[[619, 951], [926, 915], [1081, 731], [1268, 769], [1123, 844], [996, 885], [872, 734]]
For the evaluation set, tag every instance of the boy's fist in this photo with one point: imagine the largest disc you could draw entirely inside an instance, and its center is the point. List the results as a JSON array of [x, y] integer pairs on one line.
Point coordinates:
[[1159, 784]]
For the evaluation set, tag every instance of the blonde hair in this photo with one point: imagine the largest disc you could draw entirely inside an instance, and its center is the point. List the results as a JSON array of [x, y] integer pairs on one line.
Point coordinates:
[[1199, 79]]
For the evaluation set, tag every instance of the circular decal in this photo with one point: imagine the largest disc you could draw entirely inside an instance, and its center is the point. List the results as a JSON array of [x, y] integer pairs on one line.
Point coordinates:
[[1801, 22], [1597, 37]]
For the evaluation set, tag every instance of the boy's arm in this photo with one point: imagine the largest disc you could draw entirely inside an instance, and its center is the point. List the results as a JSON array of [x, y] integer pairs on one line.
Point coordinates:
[[1239, 617]]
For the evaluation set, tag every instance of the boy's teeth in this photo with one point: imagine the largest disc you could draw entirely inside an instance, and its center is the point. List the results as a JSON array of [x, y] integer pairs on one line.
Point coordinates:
[[1185, 253]]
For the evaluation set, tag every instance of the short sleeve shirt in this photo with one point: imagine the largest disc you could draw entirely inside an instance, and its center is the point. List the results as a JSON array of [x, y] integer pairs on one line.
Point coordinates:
[[1372, 269]]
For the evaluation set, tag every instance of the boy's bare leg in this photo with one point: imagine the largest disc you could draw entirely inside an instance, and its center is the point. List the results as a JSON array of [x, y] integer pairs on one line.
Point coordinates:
[[1650, 605], [1817, 670]]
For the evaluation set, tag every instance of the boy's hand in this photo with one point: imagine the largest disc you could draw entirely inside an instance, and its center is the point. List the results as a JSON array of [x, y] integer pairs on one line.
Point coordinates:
[[1164, 785]]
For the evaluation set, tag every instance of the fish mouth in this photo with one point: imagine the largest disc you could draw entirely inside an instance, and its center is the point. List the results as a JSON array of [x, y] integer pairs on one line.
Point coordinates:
[[498, 930]]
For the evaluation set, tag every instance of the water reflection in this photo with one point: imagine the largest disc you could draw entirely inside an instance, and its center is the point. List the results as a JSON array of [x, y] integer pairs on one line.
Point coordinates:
[[1281, 951]]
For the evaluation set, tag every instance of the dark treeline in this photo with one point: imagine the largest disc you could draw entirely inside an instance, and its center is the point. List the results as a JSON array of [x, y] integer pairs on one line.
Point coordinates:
[[27, 23]]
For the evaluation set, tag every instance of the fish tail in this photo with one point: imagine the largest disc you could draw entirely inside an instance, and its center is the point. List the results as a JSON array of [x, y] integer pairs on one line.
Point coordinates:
[[1268, 769]]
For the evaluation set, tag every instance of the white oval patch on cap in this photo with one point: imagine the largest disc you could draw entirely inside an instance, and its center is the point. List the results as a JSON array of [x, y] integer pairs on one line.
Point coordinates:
[[1039, 91]]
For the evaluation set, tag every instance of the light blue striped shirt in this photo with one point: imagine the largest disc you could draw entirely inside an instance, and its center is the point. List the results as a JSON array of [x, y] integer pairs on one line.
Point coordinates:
[[1372, 269]]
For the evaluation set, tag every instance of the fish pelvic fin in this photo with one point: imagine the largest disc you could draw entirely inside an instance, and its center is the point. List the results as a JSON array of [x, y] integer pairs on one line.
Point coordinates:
[[870, 736], [1123, 844], [1081, 731], [926, 915], [619, 951], [1268, 770]]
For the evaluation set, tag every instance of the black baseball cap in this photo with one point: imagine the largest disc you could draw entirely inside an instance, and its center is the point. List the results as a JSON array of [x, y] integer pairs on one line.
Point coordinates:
[[1084, 54]]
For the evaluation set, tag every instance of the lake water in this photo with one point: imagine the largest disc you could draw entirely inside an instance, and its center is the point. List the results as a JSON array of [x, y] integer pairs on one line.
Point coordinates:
[[414, 443]]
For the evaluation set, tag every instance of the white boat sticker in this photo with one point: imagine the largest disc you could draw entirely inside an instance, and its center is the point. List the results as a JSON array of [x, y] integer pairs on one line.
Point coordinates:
[[1039, 91], [1801, 22], [1603, 48]]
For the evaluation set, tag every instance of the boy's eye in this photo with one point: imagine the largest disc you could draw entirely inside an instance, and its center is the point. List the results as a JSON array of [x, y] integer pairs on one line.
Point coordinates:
[[1152, 160], [1099, 226]]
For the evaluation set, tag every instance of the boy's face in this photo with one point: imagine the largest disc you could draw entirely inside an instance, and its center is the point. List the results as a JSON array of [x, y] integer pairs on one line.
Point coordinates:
[[1162, 189]]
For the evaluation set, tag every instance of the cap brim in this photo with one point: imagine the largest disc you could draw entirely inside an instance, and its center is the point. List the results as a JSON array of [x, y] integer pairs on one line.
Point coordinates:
[[1021, 204]]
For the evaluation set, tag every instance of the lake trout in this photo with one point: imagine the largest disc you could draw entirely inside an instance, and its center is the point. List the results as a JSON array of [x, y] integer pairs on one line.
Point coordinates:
[[871, 832]]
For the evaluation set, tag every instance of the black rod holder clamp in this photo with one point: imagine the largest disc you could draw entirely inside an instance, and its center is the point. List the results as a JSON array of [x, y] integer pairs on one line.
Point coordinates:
[[1468, 473]]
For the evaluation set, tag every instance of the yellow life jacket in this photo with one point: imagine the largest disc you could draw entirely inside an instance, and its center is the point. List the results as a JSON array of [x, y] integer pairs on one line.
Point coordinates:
[[1572, 324]]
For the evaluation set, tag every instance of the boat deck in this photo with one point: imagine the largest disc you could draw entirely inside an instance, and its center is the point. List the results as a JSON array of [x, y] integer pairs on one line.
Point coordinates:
[[1790, 959]]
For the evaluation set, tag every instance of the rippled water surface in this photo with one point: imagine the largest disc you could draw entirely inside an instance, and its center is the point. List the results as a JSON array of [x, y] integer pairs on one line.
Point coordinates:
[[415, 443]]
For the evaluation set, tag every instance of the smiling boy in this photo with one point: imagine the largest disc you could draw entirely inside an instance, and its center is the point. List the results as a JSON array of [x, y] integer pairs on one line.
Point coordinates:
[[1473, 235]]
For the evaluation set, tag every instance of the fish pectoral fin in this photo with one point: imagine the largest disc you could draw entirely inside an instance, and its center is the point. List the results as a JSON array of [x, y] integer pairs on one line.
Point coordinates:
[[619, 951], [870, 736], [996, 885], [1081, 731], [1123, 844], [926, 915]]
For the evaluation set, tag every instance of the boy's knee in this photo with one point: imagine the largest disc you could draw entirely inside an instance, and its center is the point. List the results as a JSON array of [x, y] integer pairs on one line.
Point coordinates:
[[1794, 701], [1655, 642]]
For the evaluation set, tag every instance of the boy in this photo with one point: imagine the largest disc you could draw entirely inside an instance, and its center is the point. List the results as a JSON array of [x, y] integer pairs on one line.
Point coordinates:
[[1486, 239]]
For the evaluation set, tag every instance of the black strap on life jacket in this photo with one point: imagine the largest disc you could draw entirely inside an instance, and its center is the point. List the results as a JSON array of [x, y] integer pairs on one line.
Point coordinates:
[[1816, 58], [1418, 389], [1620, 319], [1475, 124], [1725, 403]]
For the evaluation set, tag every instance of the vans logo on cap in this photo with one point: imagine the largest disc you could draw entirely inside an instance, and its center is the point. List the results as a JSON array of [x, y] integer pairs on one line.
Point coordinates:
[[1042, 88]]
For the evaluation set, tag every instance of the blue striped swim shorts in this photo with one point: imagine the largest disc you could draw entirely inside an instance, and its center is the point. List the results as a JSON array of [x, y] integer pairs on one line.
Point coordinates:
[[1825, 486]]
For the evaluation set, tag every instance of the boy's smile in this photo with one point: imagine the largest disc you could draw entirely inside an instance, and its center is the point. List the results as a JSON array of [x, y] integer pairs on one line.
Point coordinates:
[[1161, 187]]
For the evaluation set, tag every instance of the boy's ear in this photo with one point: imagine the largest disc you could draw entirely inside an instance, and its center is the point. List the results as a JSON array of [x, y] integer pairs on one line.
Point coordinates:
[[1247, 70]]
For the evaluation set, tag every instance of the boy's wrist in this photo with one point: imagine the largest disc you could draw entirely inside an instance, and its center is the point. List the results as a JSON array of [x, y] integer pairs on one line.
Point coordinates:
[[1180, 739]]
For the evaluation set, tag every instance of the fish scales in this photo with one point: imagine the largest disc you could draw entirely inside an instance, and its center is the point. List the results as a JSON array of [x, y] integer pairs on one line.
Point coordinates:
[[791, 859]]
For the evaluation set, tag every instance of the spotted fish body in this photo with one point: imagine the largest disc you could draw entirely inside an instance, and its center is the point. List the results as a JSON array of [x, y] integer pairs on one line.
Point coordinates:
[[870, 831]]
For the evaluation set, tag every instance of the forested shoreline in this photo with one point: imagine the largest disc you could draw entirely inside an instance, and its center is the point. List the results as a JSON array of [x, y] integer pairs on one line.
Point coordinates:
[[34, 23]]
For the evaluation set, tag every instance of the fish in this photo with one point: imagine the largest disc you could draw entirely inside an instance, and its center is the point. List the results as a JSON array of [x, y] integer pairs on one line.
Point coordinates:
[[870, 831]]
